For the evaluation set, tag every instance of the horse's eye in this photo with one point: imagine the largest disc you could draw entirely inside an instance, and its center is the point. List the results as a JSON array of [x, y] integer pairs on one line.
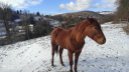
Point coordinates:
[[96, 28]]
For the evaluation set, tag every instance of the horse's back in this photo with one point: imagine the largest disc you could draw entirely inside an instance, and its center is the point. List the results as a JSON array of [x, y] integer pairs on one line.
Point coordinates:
[[56, 31], [60, 36]]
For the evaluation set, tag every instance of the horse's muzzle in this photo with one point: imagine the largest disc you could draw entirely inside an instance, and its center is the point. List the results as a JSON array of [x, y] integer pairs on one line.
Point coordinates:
[[101, 41]]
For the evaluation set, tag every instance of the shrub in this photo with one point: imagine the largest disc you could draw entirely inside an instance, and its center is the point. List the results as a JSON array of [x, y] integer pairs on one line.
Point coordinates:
[[42, 28]]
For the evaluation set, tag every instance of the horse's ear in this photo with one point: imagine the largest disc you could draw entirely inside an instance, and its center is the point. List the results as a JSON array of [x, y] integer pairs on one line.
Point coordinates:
[[91, 20], [53, 27], [88, 18]]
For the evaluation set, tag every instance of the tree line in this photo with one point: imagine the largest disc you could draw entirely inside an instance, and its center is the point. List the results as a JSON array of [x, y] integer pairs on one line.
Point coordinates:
[[8, 16], [123, 12]]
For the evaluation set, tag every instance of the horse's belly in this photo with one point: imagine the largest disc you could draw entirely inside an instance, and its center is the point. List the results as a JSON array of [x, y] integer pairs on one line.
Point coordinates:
[[63, 44]]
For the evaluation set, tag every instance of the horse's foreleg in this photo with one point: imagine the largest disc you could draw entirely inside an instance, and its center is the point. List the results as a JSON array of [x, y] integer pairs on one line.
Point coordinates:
[[76, 60], [70, 54], [60, 52]]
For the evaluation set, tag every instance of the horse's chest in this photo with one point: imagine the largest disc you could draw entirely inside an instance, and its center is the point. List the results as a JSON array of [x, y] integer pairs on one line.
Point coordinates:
[[70, 44], [76, 46]]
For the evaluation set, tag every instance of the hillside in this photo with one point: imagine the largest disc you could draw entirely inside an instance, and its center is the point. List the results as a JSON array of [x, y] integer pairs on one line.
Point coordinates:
[[102, 18], [82, 14], [35, 55]]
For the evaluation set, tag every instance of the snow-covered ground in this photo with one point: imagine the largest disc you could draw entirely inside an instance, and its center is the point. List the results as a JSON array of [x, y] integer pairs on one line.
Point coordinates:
[[35, 55], [106, 12]]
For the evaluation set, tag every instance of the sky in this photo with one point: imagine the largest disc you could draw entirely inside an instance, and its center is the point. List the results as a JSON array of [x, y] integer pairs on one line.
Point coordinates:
[[61, 6]]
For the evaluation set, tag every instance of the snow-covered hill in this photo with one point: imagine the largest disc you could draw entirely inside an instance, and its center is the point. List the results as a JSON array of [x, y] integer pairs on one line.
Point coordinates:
[[35, 55], [106, 12]]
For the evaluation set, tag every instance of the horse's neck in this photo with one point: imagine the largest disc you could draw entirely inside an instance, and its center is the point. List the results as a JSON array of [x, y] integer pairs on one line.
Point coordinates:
[[77, 36]]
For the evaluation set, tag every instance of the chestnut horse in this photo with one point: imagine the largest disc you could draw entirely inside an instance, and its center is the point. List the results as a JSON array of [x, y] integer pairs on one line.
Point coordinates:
[[72, 39]]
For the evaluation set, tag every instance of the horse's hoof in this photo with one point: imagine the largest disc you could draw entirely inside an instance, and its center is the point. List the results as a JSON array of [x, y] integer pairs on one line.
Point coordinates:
[[53, 65], [76, 71], [63, 65], [70, 70]]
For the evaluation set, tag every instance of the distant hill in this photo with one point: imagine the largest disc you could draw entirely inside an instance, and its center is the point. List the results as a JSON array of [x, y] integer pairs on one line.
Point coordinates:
[[82, 14], [77, 16]]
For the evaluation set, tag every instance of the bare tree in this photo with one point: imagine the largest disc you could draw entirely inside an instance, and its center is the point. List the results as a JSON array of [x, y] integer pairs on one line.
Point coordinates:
[[123, 12], [122, 9], [6, 12], [25, 17]]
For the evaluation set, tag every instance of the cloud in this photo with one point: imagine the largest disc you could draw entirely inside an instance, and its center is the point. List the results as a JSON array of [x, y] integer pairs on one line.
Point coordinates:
[[77, 5], [19, 4], [107, 4], [110, 1]]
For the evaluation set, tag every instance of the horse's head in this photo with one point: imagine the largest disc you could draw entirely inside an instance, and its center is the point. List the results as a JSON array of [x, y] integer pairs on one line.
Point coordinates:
[[94, 31]]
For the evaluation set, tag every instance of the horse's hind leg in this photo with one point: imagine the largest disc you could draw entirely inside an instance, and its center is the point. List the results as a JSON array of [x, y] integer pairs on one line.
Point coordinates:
[[60, 52], [54, 48]]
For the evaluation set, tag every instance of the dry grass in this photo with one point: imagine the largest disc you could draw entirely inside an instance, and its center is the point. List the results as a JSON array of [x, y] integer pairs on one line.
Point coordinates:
[[126, 29]]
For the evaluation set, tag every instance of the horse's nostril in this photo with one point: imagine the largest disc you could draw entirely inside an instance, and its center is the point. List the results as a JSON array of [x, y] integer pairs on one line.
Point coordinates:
[[104, 41], [101, 40]]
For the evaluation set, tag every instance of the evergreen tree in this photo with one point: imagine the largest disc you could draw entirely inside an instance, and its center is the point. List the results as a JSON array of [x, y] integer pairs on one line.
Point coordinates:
[[18, 12], [38, 14], [31, 20]]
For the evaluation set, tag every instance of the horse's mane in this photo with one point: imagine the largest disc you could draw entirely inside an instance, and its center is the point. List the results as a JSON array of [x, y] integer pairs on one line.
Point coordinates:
[[78, 29]]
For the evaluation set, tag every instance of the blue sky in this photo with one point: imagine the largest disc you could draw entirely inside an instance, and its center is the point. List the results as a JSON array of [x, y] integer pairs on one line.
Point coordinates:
[[61, 6]]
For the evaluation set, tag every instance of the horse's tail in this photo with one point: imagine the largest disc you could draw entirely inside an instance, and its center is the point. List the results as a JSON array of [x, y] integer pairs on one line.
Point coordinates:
[[55, 48], [54, 35]]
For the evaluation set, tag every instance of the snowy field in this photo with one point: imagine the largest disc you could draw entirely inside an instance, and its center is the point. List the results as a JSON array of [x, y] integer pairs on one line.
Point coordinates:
[[35, 55]]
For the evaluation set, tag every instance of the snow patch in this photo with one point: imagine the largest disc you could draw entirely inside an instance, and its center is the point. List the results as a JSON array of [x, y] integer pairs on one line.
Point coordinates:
[[35, 55]]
